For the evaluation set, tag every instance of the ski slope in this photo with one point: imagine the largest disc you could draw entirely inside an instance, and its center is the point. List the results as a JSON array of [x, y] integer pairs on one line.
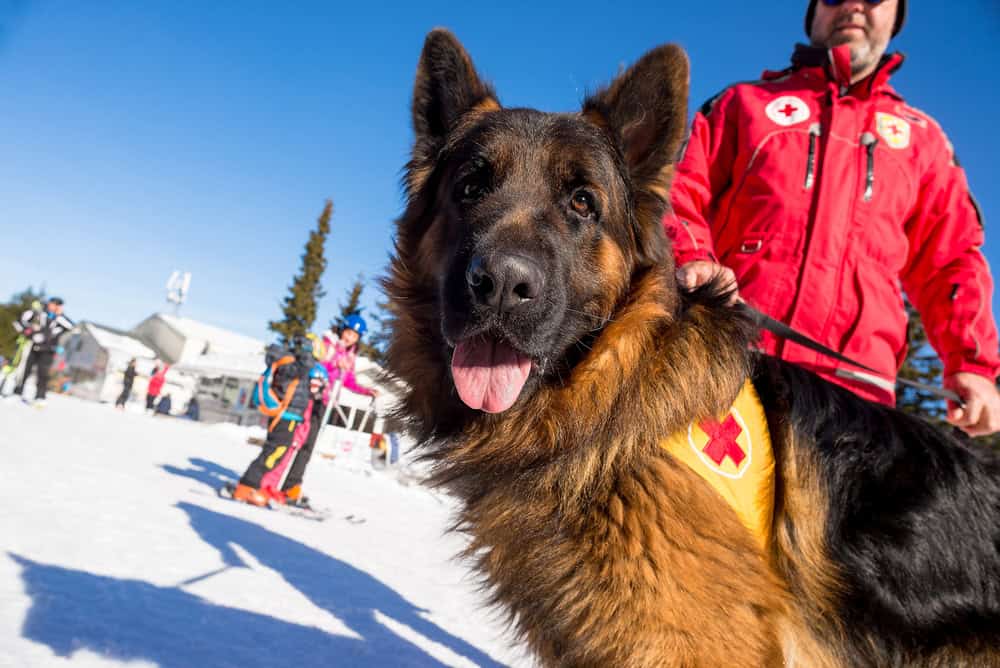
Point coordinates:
[[116, 551]]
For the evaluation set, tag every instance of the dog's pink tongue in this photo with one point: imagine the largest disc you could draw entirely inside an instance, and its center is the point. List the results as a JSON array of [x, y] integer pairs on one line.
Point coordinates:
[[489, 374]]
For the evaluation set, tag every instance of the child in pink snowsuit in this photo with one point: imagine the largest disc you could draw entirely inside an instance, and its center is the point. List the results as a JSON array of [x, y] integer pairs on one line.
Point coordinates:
[[341, 353]]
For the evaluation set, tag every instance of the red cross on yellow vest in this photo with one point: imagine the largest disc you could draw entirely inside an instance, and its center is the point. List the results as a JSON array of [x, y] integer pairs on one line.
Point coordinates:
[[733, 454]]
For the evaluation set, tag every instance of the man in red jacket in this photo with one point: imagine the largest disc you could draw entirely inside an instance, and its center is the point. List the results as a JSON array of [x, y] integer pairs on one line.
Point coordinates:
[[822, 196]]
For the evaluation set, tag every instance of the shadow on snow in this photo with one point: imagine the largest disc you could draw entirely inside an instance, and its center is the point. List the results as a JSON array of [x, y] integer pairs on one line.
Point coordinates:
[[132, 619], [204, 471]]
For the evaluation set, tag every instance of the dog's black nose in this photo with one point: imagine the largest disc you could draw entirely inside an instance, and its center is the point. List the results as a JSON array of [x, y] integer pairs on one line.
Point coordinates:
[[504, 281]]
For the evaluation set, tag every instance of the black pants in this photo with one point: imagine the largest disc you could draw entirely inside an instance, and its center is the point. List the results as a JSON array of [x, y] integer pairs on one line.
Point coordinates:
[[298, 470], [275, 447], [42, 359], [150, 402], [123, 397]]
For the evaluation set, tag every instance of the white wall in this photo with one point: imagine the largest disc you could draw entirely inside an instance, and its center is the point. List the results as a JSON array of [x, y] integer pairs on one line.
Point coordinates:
[[162, 337]]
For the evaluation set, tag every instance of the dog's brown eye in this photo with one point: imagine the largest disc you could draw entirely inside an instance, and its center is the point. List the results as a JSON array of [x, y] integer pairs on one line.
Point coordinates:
[[474, 183], [582, 203], [471, 190]]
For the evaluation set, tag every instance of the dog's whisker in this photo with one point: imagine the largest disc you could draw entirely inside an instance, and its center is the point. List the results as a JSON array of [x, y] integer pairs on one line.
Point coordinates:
[[603, 319]]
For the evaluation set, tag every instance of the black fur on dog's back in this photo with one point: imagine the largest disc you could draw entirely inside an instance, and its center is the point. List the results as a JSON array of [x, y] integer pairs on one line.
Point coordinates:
[[912, 520]]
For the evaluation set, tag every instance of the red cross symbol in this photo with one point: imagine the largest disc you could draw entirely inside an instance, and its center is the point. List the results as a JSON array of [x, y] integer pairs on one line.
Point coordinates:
[[788, 110], [722, 440], [894, 129]]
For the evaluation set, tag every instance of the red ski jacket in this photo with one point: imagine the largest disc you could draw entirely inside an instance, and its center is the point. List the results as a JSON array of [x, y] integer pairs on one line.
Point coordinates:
[[156, 381], [828, 201]]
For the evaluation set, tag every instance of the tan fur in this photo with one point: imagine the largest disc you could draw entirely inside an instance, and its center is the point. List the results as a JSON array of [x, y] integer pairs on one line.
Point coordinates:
[[801, 555], [609, 553]]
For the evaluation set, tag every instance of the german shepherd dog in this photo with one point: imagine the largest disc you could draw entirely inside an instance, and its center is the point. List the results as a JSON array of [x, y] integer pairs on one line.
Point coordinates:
[[547, 351]]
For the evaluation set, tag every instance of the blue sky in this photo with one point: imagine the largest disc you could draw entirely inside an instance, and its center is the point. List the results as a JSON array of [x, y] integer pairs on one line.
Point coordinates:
[[141, 137]]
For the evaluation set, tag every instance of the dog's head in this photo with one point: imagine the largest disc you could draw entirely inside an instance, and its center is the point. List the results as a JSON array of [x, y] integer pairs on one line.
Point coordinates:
[[524, 230]]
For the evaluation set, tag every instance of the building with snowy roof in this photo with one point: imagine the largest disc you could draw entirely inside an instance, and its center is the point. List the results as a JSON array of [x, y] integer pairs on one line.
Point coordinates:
[[96, 358], [178, 340], [224, 365]]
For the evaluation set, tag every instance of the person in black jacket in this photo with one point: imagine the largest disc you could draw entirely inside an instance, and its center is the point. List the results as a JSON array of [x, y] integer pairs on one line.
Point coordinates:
[[129, 378], [44, 330], [287, 392]]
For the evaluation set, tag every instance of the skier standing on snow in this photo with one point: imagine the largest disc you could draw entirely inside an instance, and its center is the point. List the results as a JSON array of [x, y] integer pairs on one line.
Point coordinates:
[[293, 383], [43, 330], [129, 379], [338, 354]]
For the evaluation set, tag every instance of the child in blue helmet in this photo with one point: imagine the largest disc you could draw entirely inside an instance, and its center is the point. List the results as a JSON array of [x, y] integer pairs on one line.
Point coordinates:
[[341, 352], [288, 393]]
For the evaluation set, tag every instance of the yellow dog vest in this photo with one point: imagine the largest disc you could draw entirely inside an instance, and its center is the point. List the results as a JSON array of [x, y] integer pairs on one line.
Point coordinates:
[[733, 453]]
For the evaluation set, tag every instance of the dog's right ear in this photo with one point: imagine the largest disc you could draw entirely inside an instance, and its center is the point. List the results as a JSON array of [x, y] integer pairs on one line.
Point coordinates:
[[645, 112], [447, 87]]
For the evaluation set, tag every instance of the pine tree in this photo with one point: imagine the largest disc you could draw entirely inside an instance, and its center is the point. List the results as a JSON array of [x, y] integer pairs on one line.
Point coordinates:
[[378, 340], [924, 366], [352, 306], [9, 314], [299, 307]]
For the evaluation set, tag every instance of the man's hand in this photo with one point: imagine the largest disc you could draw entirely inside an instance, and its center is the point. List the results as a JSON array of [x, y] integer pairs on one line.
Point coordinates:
[[699, 272], [981, 414]]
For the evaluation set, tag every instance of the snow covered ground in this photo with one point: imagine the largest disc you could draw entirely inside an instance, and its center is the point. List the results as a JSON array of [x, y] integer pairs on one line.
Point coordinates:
[[115, 550]]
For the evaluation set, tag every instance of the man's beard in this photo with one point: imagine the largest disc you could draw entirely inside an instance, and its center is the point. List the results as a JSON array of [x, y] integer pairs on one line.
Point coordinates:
[[861, 54], [861, 57]]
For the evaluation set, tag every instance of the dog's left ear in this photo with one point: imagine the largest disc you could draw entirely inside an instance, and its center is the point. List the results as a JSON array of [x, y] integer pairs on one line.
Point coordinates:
[[645, 111]]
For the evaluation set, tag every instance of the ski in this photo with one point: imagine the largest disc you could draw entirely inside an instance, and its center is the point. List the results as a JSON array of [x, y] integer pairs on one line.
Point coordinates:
[[303, 510]]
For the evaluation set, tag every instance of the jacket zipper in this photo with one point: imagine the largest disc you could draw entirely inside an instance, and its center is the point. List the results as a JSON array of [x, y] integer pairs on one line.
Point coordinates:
[[868, 140], [814, 132]]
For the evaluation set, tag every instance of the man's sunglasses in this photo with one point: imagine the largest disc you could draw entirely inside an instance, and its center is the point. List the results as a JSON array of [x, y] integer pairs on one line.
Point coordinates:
[[835, 3]]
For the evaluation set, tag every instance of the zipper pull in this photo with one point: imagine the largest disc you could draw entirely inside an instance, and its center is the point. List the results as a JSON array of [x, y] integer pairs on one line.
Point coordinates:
[[868, 140], [814, 132]]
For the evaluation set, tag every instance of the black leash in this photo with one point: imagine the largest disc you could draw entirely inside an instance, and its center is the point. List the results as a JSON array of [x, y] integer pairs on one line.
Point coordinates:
[[779, 328]]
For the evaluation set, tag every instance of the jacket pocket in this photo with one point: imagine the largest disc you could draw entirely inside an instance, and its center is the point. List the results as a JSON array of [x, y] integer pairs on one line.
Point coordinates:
[[874, 331]]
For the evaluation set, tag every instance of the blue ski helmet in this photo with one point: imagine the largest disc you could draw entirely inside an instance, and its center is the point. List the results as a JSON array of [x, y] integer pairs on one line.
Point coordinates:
[[357, 323]]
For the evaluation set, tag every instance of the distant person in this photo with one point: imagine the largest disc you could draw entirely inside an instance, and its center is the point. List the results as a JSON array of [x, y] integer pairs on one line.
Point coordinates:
[[164, 405], [128, 379], [43, 329], [192, 412], [156, 382]]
